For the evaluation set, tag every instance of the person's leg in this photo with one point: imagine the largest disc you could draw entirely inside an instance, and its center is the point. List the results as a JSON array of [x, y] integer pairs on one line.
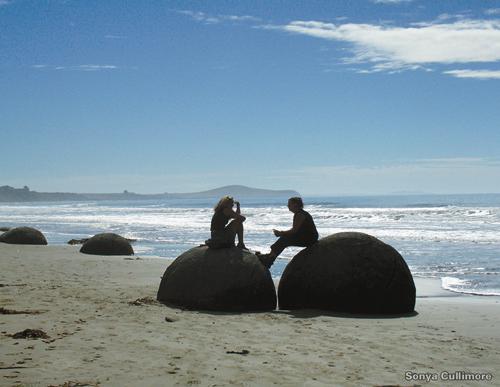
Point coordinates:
[[281, 244], [237, 228], [276, 249]]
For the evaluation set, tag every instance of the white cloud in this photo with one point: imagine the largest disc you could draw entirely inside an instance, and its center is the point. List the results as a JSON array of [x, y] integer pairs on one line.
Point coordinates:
[[93, 67], [83, 67], [239, 18], [450, 39], [476, 74], [214, 19], [200, 16], [396, 48]]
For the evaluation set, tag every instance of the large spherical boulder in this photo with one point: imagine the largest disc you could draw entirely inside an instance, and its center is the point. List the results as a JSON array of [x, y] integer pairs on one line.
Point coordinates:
[[23, 236], [348, 272], [229, 279], [107, 244]]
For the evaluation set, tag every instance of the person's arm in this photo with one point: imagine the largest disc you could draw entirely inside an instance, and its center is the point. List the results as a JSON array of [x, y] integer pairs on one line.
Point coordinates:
[[229, 212], [298, 219]]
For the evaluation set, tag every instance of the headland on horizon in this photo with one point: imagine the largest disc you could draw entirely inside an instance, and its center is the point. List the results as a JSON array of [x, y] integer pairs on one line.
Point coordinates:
[[11, 194]]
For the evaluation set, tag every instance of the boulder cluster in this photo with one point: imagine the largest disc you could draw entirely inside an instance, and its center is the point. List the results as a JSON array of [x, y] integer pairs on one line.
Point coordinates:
[[345, 272], [100, 244]]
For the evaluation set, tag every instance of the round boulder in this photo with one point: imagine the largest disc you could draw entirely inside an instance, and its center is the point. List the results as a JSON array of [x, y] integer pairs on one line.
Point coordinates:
[[348, 272], [229, 279], [23, 236], [107, 244]]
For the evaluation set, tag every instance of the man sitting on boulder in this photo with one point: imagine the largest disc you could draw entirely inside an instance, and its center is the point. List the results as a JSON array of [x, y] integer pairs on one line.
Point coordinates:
[[303, 233], [222, 235]]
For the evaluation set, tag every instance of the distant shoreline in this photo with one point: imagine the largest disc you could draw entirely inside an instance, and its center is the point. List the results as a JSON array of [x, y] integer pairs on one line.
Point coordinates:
[[9, 194]]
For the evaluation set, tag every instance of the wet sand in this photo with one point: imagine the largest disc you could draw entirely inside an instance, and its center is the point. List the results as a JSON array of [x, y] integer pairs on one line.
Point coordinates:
[[98, 335]]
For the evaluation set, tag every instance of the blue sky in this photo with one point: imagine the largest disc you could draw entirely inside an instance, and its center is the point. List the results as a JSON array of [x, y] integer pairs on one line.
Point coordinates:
[[344, 97]]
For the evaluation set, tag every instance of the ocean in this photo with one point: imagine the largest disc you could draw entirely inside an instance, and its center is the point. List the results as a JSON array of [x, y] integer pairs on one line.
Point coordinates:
[[455, 238]]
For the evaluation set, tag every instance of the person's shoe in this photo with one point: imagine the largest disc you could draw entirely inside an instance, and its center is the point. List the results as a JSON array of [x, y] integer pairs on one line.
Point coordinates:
[[242, 246], [266, 260]]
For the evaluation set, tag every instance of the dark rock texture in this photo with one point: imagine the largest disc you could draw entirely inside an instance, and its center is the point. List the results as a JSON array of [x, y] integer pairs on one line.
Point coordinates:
[[83, 240], [107, 244], [228, 279], [348, 272], [23, 236], [77, 241]]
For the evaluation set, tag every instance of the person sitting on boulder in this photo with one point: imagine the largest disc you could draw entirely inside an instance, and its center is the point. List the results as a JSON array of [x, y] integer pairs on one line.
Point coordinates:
[[222, 233], [303, 232]]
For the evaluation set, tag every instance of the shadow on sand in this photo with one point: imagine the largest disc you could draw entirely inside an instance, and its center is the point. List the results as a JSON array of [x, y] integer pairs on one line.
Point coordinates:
[[311, 313], [302, 313]]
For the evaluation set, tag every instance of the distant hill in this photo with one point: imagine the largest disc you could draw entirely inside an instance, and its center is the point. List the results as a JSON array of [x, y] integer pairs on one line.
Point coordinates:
[[10, 194], [238, 191]]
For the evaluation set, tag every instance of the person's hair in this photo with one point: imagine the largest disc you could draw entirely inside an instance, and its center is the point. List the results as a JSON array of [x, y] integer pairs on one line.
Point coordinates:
[[297, 200], [223, 203]]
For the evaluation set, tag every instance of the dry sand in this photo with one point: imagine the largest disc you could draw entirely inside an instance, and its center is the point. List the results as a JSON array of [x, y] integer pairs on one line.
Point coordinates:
[[98, 338]]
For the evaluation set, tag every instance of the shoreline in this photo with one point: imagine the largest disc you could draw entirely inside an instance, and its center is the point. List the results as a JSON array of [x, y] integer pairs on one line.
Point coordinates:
[[98, 336], [426, 286]]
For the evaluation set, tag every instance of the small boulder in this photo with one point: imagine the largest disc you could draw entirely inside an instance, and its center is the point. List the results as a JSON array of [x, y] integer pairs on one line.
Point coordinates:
[[229, 279], [107, 244], [77, 241], [23, 236], [348, 272]]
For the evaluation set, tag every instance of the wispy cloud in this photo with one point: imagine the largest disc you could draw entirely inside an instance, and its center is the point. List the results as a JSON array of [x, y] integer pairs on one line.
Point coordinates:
[[396, 48], [83, 67], [477, 74], [458, 162], [94, 67], [492, 11], [219, 18], [449, 39], [4, 2], [445, 17], [439, 175]]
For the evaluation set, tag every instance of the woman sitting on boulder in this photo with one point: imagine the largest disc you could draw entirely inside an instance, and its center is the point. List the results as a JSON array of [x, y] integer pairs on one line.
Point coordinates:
[[222, 233], [303, 232]]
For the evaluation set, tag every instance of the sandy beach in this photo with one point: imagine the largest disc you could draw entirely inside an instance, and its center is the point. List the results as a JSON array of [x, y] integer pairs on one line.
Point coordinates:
[[105, 328]]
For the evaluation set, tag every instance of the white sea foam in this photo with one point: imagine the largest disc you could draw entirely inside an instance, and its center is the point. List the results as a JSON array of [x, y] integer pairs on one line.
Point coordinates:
[[449, 241], [450, 282], [463, 286]]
